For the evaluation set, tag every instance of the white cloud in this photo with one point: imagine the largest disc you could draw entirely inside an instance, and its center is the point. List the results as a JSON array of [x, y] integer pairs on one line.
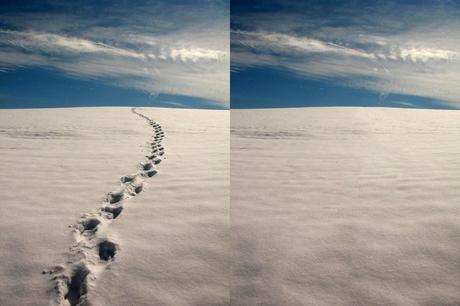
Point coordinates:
[[425, 54], [59, 44], [423, 62], [196, 54], [53, 43], [290, 44], [184, 50], [283, 42]]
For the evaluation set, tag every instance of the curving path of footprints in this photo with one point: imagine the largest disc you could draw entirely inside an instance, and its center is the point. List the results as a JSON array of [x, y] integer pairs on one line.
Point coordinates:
[[94, 249]]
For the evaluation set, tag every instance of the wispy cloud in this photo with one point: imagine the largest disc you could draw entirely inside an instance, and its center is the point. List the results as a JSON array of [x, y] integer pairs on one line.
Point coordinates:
[[284, 43], [60, 45], [368, 49], [157, 48]]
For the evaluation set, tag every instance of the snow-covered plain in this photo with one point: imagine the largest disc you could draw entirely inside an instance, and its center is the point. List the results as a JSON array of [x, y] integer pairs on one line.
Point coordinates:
[[329, 206], [172, 239], [345, 206]]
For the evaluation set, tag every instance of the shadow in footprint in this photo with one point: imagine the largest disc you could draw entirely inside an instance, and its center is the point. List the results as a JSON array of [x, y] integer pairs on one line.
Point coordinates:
[[78, 286], [138, 188], [152, 156], [151, 173], [147, 166], [114, 210], [107, 250], [115, 197], [127, 178], [90, 224]]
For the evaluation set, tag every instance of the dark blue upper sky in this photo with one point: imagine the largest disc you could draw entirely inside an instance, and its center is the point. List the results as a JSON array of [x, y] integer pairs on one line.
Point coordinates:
[[138, 52], [345, 53]]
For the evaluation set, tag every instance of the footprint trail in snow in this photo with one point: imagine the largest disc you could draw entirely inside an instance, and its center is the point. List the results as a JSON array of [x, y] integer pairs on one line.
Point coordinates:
[[94, 249]]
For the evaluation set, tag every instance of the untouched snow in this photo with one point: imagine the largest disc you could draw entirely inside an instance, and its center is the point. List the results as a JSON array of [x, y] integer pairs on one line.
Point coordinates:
[[171, 239], [345, 206]]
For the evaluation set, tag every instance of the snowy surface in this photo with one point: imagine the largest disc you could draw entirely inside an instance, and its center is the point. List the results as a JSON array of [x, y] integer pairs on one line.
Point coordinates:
[[345, 206], [329, 206], [172, 238]]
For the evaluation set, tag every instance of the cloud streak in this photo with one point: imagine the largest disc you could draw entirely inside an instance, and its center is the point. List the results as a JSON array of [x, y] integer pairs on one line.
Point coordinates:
[[367, 52], [62, 45], [189, 56]]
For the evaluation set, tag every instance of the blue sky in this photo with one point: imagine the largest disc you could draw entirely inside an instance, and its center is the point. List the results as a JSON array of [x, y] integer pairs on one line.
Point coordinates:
[[345, 53], [91, 53]]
